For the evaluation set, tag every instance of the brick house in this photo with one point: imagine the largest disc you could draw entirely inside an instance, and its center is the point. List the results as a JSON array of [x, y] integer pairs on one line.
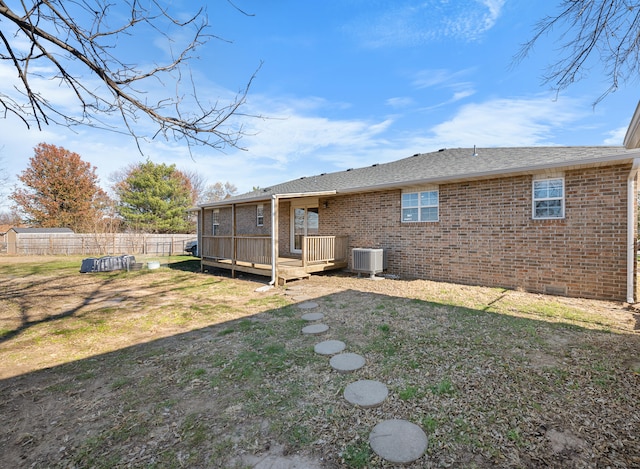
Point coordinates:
[[557, 220]]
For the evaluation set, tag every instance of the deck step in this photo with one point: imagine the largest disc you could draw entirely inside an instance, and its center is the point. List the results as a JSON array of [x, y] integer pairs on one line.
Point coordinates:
[[291, 274]]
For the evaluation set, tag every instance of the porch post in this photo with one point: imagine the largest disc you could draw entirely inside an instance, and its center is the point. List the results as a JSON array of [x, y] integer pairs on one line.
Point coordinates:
[[200, 240], [234, 242], [631, 232], [274, 240], [304, 251]]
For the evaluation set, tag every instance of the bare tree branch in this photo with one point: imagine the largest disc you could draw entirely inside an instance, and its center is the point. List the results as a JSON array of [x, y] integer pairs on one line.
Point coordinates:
[[606, 32], [62, 34]]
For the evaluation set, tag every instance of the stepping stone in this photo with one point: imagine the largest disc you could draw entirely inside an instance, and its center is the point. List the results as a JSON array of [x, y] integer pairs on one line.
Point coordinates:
[[366, 393], [308, 305], [398, 441], [329, 347], [312, 316], [346, 362], [300, 298], [315, 329]]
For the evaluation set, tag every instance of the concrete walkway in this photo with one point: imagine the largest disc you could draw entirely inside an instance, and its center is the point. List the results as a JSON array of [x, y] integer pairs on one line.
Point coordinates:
[[396, 441]]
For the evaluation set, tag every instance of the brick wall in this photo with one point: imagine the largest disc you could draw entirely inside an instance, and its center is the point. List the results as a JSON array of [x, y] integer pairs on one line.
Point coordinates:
[[246, 221], [284, 229], [486, 234]]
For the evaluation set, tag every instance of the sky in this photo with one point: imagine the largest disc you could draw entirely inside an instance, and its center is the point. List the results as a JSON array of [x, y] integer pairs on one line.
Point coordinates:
[[348, 83]]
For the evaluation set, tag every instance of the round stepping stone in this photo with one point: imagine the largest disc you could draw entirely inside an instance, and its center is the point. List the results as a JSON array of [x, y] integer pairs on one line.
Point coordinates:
[[308, 305], [398, 441], [346, 362], [329, 347], [366, 393], [315, 329], [312, 316]]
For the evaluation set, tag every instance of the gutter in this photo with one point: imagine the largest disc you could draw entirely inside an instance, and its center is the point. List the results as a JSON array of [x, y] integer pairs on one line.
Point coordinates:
[[631, 231], [274, 260]]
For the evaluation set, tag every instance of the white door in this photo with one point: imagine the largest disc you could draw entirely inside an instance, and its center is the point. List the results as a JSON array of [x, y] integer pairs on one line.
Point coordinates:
[[305, 223]]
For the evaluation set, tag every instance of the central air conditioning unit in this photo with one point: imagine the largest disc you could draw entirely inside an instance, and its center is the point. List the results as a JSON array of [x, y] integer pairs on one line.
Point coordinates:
[[369, 261]]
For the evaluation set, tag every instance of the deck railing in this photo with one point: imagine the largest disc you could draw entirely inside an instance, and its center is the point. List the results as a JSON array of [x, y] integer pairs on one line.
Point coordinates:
[[252, 249], [217, 247], [257, 249], [324, 249]]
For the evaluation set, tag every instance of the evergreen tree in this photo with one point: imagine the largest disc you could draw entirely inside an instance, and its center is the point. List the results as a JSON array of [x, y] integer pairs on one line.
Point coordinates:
[[154, 198]]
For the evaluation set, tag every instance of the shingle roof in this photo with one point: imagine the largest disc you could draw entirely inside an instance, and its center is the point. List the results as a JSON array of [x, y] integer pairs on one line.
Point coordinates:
[[42, 230], [446, 165]]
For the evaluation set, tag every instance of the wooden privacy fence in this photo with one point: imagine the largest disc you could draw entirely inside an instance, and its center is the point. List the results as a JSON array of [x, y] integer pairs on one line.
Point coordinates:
[[29, 244]]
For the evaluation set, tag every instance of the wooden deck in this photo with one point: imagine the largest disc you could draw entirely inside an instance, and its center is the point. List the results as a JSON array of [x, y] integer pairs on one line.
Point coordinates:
[[252, 255], [288, 268]]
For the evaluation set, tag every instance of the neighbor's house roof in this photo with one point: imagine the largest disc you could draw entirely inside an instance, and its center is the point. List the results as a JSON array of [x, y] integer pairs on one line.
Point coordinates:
[[42, 230], [443, 166]]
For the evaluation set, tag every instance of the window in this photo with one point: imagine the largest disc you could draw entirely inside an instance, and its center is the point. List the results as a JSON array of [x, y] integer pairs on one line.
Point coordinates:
[[420, 206], [216, 221], [548, 198], [260, 214]]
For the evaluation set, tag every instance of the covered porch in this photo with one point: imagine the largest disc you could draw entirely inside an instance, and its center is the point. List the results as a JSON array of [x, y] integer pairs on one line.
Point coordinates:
[[255, 254], [285, 237]]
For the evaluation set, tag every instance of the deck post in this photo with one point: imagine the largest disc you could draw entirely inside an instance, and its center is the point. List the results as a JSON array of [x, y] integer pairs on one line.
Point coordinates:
[[275, 250], [234, 242], [304, 252]]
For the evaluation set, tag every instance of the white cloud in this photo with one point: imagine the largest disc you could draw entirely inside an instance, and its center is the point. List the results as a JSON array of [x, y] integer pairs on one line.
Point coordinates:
[[506, 122], [458, 95], [494, 7], [616, 136], [400, 102], [411, 24], [453, 82]]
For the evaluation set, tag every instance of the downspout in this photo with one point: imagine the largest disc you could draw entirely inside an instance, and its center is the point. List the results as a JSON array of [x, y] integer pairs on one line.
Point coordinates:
[[274, 259], [631, 230]]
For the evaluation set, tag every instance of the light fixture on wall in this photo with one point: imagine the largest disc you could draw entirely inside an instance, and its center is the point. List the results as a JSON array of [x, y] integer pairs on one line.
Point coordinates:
[[325, 204]]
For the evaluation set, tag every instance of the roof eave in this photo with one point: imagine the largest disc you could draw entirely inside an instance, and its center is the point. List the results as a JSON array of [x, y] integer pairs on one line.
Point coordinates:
[[594, 162], [632, 138], [266, 197]]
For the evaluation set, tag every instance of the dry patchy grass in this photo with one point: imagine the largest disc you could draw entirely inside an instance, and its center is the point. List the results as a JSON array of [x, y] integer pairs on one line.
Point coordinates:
[[173, 368]]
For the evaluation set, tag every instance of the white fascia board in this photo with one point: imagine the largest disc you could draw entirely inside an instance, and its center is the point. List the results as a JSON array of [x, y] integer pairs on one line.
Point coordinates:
[[632, 137], [267, 198]]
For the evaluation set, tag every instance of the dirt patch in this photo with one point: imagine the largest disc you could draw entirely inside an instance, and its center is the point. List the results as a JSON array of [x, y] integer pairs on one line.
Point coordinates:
[[173, 368], [274, 458]]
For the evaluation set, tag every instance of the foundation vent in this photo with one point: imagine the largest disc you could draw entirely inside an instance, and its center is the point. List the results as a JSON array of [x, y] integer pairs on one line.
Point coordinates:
[[557, 290]]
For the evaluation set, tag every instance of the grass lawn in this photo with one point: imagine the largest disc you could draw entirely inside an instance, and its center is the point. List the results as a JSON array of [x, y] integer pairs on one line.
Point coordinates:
[[176, 368]]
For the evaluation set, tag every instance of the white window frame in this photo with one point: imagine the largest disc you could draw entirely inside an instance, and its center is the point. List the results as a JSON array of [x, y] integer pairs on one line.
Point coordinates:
[[260, 215], [215, 222], [547, 198], [419, 206]]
